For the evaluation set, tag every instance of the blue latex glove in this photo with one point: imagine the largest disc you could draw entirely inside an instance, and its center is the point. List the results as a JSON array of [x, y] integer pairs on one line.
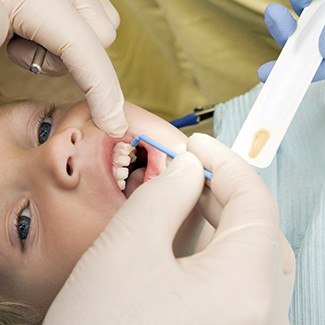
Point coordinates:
[[281, 25]]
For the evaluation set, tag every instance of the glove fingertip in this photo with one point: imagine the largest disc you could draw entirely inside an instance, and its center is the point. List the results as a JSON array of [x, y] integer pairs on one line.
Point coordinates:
[[279, 22], [264, 71], [118, 131], [268, 18], [114, 127], [272, 11], [208, 149], [185, 166], [200, 137], [186, 158], [262, 74]]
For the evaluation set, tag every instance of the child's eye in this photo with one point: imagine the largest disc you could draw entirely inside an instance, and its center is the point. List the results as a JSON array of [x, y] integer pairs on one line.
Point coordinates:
[[44, 131], [44, 124], [23, 224]]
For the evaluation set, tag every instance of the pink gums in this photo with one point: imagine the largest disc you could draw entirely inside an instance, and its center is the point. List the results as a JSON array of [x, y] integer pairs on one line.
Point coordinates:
[[156, 162]]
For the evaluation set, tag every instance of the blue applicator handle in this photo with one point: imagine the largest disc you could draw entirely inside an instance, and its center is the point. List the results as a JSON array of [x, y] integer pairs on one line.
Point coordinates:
[[187, 120], [162, 148], [200, 114]]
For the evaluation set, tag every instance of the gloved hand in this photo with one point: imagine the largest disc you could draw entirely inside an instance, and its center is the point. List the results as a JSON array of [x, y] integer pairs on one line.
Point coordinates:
[[76, 31], [130, 275], [281, 25]]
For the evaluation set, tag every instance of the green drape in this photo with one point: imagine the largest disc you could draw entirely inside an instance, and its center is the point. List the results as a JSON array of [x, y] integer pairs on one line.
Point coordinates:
[[173, 55]]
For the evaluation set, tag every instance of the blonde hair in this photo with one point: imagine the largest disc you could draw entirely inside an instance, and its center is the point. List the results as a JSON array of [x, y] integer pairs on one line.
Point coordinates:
[[15, 313]]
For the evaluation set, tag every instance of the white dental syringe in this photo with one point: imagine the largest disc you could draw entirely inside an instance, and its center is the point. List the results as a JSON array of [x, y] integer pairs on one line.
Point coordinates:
[[280, 97]]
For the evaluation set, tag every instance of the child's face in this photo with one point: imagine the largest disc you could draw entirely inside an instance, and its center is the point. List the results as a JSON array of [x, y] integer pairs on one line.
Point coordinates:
[[58, 196]]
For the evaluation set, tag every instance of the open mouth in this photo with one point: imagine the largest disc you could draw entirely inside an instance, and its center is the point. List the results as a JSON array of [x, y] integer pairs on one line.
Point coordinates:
[[132, 167]]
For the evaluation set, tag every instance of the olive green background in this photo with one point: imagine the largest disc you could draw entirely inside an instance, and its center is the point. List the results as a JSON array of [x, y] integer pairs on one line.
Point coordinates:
[[170, 55]]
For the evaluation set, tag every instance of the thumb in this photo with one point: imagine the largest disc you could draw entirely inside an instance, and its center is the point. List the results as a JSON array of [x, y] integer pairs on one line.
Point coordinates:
[[5, 23], [248, 225], [155, 211]]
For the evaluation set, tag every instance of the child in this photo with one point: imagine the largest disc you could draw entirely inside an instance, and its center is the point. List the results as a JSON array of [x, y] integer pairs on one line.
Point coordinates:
[[62, 180], [59, 162]]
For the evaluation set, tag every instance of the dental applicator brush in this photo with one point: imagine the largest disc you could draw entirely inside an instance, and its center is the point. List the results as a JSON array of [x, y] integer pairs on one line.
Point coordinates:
[[162, 148]]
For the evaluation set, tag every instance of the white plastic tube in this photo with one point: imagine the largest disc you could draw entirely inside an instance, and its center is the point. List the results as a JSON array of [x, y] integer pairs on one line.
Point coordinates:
[[280, 97]]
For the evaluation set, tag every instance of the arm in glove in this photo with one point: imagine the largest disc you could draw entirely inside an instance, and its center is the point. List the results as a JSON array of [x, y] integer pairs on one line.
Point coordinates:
[[130, 275], [281, 25], [76, 33]]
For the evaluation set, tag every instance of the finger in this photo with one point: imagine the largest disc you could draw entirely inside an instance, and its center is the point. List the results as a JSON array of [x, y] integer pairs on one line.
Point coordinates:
[[21, 51], [94, 14], [111, 12], [5, 24], [247, 235], [155, 211], [247, 238], [299, 5], [264, 71], [279, 22], [240, 190], [81, 52]]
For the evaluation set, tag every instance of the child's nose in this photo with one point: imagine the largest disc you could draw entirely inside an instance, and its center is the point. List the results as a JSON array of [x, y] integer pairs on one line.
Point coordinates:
[[59, 157]]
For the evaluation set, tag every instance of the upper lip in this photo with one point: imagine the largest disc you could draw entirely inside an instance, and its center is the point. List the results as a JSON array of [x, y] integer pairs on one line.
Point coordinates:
[[108, 144], [155, 158]]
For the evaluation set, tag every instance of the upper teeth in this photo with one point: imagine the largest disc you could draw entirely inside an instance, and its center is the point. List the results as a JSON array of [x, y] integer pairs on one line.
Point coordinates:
[[123, 155]]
